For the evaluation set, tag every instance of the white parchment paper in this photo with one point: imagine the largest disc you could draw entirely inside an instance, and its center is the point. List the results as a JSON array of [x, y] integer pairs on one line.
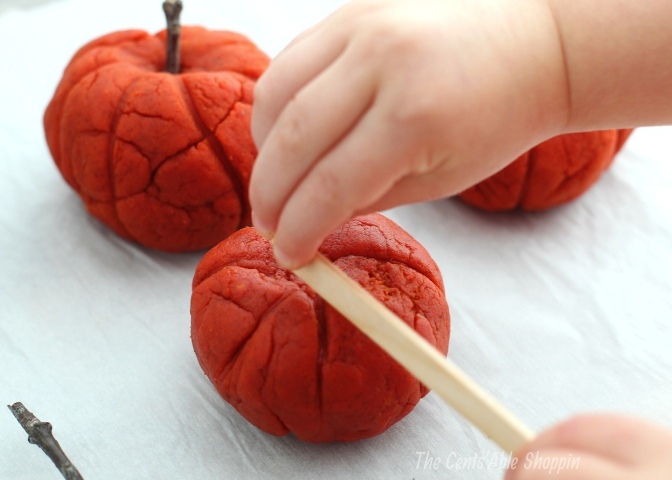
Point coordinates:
[[555, 313]]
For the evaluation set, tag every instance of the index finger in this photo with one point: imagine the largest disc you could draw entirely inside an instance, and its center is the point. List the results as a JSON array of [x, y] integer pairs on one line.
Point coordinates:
[[301, 61]]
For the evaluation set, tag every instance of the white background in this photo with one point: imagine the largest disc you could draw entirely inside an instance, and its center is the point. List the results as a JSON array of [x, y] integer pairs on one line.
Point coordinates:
[[555, 313]]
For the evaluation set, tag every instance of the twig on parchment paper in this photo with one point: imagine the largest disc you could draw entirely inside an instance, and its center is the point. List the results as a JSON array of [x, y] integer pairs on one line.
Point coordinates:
[[39, 433]]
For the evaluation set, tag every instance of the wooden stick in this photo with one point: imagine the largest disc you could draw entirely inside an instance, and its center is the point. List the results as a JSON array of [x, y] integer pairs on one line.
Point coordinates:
[[413, 352]]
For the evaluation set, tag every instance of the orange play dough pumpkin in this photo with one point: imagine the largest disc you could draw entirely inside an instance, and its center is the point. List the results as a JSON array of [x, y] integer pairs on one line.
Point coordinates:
[[289, 362], [554, 172], [163, 159]]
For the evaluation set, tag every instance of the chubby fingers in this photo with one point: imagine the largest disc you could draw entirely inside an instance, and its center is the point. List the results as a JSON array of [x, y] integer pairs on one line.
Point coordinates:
[[621, 439], [357, 172], [317, 117], [609, 447], [303, 59], [560, 464], [296, 66]]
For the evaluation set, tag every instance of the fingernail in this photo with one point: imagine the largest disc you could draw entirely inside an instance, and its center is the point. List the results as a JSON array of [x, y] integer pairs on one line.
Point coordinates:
[[283, 259], [264, 230]]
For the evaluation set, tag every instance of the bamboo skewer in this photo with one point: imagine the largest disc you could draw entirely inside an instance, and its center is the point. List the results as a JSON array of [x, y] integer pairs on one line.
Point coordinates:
[[413, 352]]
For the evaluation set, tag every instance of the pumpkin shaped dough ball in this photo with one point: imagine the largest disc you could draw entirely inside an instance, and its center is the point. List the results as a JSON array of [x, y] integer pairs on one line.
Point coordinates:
[[553, 173], [286, 360], [163, 159]]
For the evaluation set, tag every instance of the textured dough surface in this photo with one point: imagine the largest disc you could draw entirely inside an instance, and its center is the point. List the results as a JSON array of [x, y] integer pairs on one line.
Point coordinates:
[[286, 360], [555, 172], [161, 159]]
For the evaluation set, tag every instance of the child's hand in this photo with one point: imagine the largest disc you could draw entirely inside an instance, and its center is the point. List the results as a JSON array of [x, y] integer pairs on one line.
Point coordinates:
[[608, 447], [388, 102]]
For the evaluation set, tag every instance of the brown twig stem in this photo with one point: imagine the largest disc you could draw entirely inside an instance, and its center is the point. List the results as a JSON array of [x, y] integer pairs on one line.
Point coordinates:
[[39, 433], [172, 9]]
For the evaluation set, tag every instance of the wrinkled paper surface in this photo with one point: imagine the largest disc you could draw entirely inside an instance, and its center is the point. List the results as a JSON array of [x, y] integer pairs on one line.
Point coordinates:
[[554, 313]]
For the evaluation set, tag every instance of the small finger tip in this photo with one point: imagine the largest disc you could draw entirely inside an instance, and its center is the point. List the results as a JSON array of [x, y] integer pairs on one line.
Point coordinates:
[[264, 230], [268, 235], [285, 260]]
